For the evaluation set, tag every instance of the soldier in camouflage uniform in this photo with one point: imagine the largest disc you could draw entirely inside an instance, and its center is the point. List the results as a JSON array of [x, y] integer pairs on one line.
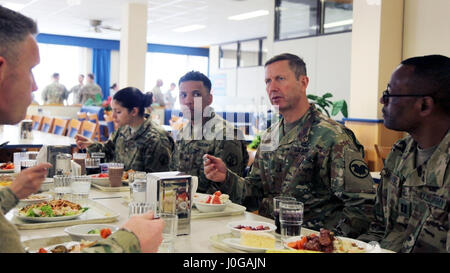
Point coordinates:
[[55, 93], [76, 90], [19, 53], [212, 135], [139, 144], [412, 205], [90, 90], [305, 155]]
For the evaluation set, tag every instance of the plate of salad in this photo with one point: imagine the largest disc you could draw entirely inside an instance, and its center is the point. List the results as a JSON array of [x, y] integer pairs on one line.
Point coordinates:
[[55, 210]]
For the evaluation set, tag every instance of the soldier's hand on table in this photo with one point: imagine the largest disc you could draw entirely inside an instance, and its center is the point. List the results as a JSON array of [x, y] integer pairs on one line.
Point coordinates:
[[147, 229], [29, 180], [82, 141], [214, 168]]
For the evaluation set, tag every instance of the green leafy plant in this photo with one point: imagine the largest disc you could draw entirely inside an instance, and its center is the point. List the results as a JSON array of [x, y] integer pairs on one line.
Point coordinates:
[[255, 143], [323, 104]]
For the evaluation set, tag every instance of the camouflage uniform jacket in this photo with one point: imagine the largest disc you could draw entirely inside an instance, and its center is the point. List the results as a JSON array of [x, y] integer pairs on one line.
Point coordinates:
[[76, 93], [211, 138], [149, 149], [320, 163], [412, 206], [120, 241], [54, 93], [89, 90]]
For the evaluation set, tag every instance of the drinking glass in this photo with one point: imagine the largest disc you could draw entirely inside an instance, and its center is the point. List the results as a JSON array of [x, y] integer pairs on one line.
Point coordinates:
[[79, 158], [115, 172], [291, 218], [61, 187], [92, 165], [135, 208], [276, 209], [26, 164], [170, 232], [80, 188]]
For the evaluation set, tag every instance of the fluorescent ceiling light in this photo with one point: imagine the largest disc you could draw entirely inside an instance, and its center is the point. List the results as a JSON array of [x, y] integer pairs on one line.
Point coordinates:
[[13, 6], [338, 23], [248, 15], [189, 28]]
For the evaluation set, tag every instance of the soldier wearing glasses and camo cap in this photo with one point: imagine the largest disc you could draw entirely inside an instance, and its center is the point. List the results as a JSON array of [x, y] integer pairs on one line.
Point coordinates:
[[413, 199], [19, 53]]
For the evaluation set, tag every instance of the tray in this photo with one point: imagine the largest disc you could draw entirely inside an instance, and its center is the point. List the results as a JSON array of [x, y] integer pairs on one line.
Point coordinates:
[[33, 245], [231, 210], [97, 213], [111, 189]]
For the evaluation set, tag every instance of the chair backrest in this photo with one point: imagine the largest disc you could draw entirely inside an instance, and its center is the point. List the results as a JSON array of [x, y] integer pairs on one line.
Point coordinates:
[[82, 116], [109, 124], [37, 120], [60, 126], [382, 151], [46, 124], [92, 117], [73, 128], [88, 129]]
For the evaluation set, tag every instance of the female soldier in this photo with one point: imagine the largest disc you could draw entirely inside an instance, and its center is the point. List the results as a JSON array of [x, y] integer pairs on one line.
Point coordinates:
[[138, 143]]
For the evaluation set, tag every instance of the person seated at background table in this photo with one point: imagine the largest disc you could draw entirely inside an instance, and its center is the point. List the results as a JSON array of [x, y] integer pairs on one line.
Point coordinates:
[[305, 155], [19, 53], [412, 207], [205, 133], [138, 143]]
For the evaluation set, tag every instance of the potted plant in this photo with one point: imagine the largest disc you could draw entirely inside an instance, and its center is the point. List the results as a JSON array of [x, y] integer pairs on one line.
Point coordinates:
[[323, 104]]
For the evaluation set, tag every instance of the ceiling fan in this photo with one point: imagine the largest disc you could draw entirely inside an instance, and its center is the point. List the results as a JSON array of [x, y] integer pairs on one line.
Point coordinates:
[[98, 27]]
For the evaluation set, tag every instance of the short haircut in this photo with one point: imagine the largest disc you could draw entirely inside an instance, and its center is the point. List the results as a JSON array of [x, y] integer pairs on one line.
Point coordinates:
[[431, 76], [296, 64], [14, 29], [196, 76], [55, 75], [131, 97], [91, 76]]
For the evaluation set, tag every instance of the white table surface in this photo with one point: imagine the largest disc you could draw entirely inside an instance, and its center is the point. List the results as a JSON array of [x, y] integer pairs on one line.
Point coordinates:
[[196, 242], [11, 133]]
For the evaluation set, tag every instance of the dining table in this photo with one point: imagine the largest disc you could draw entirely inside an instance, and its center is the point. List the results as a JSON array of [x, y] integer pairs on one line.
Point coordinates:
[[10, 135]]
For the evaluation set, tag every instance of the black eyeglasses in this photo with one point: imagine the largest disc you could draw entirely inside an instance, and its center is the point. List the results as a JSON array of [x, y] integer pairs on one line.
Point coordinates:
[[386, 96]]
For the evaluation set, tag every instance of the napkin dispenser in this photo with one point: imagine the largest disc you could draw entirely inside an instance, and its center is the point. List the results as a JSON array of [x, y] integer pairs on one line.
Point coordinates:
[[51, 152], [173, 192]]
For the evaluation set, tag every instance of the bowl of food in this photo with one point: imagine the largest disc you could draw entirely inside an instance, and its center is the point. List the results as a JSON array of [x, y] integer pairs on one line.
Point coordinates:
[[90, 232], [256, 226], [34, 199], [101, 179], [211, 203]]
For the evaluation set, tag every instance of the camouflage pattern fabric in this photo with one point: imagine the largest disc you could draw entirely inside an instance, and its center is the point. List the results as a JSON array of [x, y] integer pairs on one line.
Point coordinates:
[[188, 155], [89, 90], [149, 149], [412, 205], [158, 96], [9, 235], [54, 93], [320, 163], [76, 93]]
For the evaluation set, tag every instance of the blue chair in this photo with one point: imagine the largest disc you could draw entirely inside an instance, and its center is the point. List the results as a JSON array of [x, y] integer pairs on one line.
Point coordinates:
[[60, 126], [88, 129], [73, 128], [37, 120], [46, 124]]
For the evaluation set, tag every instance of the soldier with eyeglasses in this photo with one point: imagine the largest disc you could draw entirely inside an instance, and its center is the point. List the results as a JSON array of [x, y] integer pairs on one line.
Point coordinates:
[[412, 205]]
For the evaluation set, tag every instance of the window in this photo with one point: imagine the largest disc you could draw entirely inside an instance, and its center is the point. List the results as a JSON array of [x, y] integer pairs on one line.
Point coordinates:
[[243, 53], [303, 18], [228, 55]]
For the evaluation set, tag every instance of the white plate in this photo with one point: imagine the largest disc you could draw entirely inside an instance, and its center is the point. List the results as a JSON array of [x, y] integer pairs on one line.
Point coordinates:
[[204, 207], [7, 171], [80, 232], [102, 181], [47, 219], [28, 201], [365, 246], [236, 243], [236, 232]]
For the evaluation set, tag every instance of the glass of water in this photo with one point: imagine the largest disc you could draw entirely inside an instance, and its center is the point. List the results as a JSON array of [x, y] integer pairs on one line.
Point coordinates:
[[61, 187], [170, 232], [291, 218], [80, 186]]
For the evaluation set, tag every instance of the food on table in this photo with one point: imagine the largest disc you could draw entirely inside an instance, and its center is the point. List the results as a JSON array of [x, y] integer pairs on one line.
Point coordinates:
[[260, 227], [325, 242], [126, 174], [5, 180], [36, 197], [100, 175], [7, 166], [5, 183], [257, 239], [217, 198], [104, 232], [76, 248], [54, 208]]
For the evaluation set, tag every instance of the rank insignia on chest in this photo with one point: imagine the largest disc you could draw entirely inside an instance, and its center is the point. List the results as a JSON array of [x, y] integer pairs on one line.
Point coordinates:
[[404, 207]]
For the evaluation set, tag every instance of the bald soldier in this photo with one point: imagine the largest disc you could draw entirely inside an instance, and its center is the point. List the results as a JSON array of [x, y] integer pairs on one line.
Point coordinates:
[[413, 199], [205, 133], [305, 155]]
